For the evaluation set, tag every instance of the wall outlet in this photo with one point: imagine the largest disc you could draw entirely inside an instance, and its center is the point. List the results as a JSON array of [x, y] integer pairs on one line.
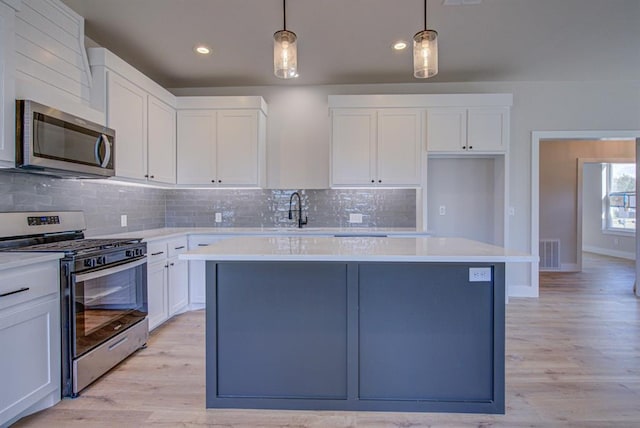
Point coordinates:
[[512, 211], [480, 274], [123, 220], [443, 210], [355, 218], [218, 217]]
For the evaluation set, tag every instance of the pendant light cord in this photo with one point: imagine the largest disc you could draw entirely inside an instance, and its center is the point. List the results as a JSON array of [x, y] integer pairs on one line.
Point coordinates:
[[425, 14], [284, 13]]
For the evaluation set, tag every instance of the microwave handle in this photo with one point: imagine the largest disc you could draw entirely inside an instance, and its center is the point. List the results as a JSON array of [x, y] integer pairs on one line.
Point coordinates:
[[107, 146]]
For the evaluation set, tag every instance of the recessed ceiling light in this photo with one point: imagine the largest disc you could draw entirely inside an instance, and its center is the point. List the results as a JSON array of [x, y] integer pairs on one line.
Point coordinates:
[[399, 45], [202, 49]]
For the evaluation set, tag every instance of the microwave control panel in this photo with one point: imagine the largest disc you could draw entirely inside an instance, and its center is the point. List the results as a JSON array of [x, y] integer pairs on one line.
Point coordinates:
[[43, 220]]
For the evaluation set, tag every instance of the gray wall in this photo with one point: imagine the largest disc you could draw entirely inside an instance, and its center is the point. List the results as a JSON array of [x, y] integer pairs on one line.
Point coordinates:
[[147, 208]]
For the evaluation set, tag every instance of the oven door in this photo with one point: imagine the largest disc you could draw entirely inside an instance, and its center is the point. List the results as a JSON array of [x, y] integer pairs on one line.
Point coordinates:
[[106, 302]]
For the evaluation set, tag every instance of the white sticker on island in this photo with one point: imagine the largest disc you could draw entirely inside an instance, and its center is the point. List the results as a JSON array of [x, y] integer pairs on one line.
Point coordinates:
[[479, 274]]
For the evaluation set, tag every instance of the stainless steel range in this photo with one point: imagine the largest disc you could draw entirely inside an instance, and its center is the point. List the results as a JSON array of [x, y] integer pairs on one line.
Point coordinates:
[[103, 286]]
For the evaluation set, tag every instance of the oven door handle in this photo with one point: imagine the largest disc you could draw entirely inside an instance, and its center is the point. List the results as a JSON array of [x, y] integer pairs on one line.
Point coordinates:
[[109, 271]]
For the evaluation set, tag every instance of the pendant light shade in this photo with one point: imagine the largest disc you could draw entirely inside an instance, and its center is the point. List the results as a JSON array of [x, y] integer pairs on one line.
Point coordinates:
[[285, 51], [425, 51]]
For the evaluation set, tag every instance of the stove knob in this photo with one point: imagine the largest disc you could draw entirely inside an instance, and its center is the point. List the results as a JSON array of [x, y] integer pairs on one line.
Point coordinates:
[[129, 253], [101, 260], [90, 262], [139, 252]]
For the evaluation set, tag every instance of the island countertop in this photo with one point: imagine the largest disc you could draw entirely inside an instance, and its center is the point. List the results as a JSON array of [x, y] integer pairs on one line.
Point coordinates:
[[356, 249]]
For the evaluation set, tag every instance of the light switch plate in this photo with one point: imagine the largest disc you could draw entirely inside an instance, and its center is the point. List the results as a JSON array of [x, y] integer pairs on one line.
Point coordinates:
[[123, 220], [355, 218], [218, 217]]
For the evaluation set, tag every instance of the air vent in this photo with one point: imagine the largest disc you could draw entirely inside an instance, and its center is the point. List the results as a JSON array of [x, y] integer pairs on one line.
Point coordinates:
[[549, 254]]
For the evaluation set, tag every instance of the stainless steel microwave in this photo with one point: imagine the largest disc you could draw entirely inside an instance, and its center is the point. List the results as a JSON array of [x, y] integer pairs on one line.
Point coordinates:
[[53, 142]]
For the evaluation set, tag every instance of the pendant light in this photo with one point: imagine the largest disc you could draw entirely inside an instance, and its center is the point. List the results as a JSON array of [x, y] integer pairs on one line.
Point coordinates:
[[425, 51], [285, 54]]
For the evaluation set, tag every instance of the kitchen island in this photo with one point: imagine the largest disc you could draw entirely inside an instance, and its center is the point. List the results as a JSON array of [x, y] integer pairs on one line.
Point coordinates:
[[395, 324]]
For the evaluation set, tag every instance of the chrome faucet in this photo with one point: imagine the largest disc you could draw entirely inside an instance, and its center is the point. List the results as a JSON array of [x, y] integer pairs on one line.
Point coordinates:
[[300, 221]]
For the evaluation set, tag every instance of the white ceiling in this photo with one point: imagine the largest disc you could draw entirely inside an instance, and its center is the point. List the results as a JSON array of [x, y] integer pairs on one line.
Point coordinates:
[[349, 41]]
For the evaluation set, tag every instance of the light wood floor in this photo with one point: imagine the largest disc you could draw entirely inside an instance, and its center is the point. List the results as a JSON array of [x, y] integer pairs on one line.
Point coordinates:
[[573, 359]]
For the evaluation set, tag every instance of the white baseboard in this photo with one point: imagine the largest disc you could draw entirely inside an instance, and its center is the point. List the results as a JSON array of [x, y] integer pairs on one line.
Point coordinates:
[[608, 252], [516, 290]]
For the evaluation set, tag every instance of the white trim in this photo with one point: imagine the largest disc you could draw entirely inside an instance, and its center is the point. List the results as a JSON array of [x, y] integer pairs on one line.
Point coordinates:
[[519, 290], [420, 100], [608, 252], [536, 136]]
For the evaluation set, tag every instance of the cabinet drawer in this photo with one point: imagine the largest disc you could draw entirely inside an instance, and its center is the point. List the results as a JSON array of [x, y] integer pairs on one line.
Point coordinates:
[[26, 283], [156, 251], [177, 246]]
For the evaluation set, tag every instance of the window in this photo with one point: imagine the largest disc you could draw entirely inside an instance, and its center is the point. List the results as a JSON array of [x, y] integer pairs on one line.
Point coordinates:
[[620, 197]]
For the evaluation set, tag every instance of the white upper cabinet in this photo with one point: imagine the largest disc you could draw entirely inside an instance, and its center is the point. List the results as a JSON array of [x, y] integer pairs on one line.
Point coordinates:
[[196, 147], [143, 115], [237, 147], [488, 128], [127, 114], [376, 147], [353, 143], [221, 147], [473, 129], [161, 151], [399, 146]]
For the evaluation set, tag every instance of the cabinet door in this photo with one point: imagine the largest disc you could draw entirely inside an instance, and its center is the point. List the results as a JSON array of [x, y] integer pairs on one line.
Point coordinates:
[[7, 96], [414, 347], [30, 357], [446, 129], [488, 129], [237, 148], [158, 305], [196, 147], [399, 146], [162, 142], [353, 145], [178, 285], [127, 114]]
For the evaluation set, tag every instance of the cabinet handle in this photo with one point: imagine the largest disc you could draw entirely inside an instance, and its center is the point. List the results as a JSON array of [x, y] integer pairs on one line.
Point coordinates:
[[464, 147], [219, 181], [158, 253], [203, 245], [379, 181], [166, 266], [171, 264], [373, 181], [146, 176], [19, 290], [213, 181], [153, 176], [179, 248], [470, 147]]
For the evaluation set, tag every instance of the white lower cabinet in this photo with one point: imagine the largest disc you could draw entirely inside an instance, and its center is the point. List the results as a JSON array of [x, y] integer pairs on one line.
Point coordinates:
[[167, 280], [197, 277], [29, 339]]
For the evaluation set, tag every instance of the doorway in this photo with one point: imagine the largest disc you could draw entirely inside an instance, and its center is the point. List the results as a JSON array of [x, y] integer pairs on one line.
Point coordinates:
[[567, 141]]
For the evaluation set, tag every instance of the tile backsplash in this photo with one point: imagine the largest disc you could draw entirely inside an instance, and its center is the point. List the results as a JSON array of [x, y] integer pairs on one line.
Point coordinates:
[[270, 208], [102, 203], [149, 208]]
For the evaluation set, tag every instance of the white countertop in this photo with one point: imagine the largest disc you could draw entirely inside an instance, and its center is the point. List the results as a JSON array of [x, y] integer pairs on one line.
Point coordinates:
[[11, 260], [169, 232], [359, 249]]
